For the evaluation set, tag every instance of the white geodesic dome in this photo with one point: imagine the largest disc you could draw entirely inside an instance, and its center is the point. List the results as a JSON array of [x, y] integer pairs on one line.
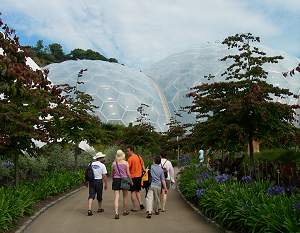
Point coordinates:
[[117, 90], [181, 71]]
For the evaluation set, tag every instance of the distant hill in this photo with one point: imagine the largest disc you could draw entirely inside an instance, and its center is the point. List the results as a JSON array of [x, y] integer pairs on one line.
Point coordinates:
[[53, 53]]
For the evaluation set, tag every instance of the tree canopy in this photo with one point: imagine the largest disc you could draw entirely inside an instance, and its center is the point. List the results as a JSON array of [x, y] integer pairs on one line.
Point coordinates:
[[44, 55], [242, 108]]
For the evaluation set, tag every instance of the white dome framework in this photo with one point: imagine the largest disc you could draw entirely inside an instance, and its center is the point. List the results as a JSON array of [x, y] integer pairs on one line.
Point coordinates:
[[117, 90]]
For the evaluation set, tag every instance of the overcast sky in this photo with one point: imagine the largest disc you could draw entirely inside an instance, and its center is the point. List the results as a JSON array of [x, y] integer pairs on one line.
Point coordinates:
[[140, 32]]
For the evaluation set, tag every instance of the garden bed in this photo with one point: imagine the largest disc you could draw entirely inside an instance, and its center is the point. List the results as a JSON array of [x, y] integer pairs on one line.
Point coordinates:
[[241, 206], [16, 203]]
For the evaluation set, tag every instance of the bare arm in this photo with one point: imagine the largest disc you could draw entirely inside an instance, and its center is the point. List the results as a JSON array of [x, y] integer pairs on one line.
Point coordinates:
[[128, 172], [104, 178], [172, 173]]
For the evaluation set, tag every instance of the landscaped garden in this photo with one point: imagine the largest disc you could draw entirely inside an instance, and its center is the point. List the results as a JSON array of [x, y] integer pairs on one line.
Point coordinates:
[[242, 189], [242, 204]]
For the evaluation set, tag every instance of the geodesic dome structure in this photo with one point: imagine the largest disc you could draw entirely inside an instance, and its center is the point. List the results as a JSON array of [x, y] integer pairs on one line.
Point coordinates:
[[117, 90], [181, 71]]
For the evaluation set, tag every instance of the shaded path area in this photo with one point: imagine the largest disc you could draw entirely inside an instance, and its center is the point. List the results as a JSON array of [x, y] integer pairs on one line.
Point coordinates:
[[70, 216]]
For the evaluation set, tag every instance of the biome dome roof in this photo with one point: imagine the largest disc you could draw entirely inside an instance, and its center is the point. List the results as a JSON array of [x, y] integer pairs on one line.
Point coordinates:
[[181, 71], [117, 90]]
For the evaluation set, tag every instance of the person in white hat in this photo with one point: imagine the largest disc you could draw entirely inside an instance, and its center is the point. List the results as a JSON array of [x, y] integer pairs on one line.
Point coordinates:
[[96, 185]]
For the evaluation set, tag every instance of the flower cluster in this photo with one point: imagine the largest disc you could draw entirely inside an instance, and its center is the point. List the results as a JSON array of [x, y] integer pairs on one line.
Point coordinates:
[[275, 190], [247, 179], [200, 192], [205, 175], [222, 178]]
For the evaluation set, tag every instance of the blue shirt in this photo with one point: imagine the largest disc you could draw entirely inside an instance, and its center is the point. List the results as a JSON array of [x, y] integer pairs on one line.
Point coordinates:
[[157, 175]]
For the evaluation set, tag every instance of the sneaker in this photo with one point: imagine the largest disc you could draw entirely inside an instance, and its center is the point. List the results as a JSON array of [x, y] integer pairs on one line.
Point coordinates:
[[100, 210], [157, 212], [125, 213], [90, 213], [117, 216], [142, 206], [148, 215]]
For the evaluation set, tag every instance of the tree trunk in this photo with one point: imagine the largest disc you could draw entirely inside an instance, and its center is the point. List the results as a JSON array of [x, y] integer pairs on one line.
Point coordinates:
[[76, 153], [16, 166], [251, 156]]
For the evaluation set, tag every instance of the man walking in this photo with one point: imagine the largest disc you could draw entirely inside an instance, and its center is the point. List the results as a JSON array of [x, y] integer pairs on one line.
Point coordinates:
[[136, 167], [158, 185], [96, 185]]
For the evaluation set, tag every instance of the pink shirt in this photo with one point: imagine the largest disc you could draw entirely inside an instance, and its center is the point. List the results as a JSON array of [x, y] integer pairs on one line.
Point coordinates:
[[122, 169]]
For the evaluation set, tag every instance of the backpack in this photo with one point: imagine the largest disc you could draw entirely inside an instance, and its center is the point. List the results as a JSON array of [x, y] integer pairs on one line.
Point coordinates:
[[89, 173], [165, 169], [146, 179]]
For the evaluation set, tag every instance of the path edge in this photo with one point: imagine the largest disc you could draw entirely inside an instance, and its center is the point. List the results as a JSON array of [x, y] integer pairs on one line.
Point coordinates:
[[208, 220], [23, 227]]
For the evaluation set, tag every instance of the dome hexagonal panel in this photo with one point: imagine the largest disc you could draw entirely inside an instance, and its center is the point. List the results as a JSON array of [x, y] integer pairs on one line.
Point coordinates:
[[117, 90], [179, 72]]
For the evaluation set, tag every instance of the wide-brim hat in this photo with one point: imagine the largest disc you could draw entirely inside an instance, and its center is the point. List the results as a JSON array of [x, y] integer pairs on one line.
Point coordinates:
[[99, 155]]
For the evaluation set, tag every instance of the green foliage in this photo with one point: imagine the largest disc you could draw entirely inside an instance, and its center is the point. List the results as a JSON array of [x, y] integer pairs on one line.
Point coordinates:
[[242, 207], [18, 202], [281, 155], [44, 55], [237, 111]]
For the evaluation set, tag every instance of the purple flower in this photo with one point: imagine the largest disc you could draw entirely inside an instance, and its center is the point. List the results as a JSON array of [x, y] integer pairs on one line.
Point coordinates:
[[205, 175], [297, 206], [247, 179], [275, 190], [199, 181], [200, 192], [222, 178]]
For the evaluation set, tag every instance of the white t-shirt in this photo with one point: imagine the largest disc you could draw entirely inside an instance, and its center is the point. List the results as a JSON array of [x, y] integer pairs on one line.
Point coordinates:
[[99, 170], [168, 165]]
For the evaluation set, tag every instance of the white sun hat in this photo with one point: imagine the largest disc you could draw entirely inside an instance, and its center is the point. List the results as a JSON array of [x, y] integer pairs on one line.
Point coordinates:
[[99, 155]]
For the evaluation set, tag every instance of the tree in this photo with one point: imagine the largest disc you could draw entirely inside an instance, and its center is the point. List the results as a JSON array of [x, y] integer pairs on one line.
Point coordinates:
[[57, 52], [77, 122], [174, 136], [243, 108], [142, 133], [25, 99]]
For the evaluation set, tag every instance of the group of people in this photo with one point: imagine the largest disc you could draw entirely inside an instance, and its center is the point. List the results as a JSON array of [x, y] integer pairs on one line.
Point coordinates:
[[127, 177]]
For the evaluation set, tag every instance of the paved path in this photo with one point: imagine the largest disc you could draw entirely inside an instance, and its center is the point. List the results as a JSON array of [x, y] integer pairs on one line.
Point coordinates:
[[70, 216]]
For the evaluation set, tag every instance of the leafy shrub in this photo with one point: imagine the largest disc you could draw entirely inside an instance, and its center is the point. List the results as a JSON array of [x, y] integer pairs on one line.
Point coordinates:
[[18, 202], [241, 206]]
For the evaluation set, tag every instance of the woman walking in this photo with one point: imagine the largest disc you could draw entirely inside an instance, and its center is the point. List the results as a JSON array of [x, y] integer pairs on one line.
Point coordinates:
[[121, 181]]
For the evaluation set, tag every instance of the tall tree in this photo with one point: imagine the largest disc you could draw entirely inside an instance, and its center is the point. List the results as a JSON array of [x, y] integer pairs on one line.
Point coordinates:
[[57, 52], [77, 122], [243, 107], [25, 99]]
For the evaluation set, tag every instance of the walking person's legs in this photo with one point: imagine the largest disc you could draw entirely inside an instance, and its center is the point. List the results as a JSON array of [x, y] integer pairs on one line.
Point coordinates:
[[134, 200], [163, 197], [125, 202], [92, 194], [99, 191], [116, 203], [139, 198], [149, 202], [156, 200]]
